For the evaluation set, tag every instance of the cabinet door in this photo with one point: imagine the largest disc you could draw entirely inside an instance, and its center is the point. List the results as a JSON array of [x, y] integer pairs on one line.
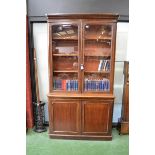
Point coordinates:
[[98, 57], [64, 116], [64, 56], [96, 117]]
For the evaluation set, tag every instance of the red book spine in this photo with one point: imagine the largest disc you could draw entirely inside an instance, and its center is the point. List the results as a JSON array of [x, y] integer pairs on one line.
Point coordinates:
[[63, 84]]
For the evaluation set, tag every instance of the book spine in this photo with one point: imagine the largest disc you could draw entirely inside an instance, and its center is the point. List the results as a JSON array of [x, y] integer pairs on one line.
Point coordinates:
[[55, 87], [86, 84], [76, 84], [108, 65], [59, 84], [100, 65], [54, 84], [91, 86], [67, 85], [100, 85], [108, 84], [63, 84], [105, 85], [103, 65], [95, 85], [71, 85]]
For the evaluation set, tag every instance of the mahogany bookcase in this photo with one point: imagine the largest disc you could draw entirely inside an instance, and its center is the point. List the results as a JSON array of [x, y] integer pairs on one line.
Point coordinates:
[[81, 75]]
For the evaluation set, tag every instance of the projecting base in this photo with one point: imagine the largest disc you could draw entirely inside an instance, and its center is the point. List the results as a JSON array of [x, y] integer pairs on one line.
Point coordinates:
[[80, 137]]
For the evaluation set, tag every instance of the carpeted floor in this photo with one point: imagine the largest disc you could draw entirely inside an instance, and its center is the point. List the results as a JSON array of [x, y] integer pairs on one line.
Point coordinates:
[[40, 144]]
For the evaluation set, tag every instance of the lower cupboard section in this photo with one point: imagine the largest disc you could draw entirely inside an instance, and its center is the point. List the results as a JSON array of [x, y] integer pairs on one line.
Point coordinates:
[[80, 118]]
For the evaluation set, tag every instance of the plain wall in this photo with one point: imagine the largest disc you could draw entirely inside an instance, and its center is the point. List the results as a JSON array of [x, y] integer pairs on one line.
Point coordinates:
[[39, 8]]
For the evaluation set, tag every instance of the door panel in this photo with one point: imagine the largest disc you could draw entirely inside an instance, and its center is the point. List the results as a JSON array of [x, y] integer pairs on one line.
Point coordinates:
[[96, 117], [65, 116]]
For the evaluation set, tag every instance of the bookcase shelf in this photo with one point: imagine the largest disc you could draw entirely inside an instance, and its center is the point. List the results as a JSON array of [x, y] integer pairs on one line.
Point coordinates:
[[98, 72], [65, 71], [96, 38], [65, 55], [66, 39], [81, 75], [98, 55]]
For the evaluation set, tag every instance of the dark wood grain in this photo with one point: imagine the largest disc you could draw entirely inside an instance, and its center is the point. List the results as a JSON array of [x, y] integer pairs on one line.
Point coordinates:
[[65, 116], [82, 95], [81, 137], [104, 16], [95, 116], [81, 114]]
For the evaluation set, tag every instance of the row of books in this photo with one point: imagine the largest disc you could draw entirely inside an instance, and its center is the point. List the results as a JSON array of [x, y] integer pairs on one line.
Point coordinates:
[[104, 65], [97, 85], [67, 85]]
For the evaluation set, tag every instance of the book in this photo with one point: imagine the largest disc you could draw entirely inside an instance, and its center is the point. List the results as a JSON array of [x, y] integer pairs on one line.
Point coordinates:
[[97, 85], [104, 65], [63, 84], [100, 65], [107, 67], [76, 84]]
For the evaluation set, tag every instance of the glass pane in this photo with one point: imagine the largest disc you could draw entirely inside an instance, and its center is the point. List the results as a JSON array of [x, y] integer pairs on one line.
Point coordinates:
[[97, 57], [67, 63], [65, 39], [65, 57], [98, 31], [95, 47], [97, 64]]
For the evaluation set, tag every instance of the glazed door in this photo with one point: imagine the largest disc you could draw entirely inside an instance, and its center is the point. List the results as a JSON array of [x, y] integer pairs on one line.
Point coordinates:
[[64, 56], [97, 57]]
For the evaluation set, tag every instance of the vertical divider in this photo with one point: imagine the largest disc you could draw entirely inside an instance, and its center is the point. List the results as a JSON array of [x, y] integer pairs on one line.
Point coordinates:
[[82, 56], [79, 55]]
